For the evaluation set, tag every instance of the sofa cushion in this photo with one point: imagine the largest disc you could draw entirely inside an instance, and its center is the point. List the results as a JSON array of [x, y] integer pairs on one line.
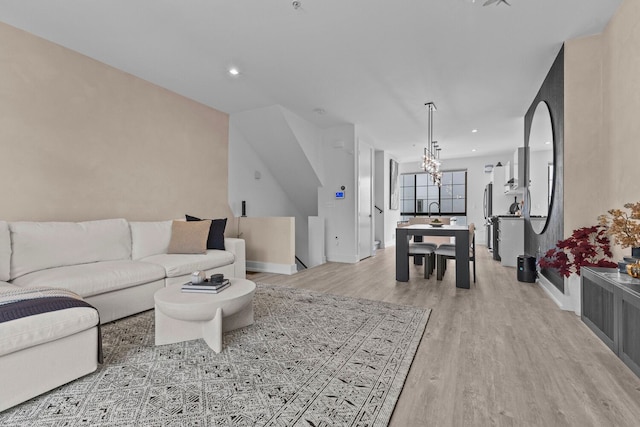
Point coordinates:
[[189, 237], [41, 245], [5, 251], [149, 238], [6, 285], [96, 278], [42, 328], [180, 264], [216, 232]]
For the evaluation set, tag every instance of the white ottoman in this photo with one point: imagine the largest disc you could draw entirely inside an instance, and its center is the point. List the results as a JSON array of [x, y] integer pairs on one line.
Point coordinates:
[[183, 316]]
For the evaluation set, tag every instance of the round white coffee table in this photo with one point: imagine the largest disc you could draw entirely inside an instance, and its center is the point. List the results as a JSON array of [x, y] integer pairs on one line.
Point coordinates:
[[183, 316]]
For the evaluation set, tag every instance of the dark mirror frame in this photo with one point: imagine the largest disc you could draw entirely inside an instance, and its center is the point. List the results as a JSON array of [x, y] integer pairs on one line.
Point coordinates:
[[542, 108]]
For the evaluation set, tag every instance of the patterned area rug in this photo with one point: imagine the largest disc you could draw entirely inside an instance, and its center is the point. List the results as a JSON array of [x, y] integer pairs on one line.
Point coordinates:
[[310, 359]]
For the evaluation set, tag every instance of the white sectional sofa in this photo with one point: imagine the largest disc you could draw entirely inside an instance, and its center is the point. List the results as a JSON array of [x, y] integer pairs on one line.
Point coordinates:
[[114, 265]]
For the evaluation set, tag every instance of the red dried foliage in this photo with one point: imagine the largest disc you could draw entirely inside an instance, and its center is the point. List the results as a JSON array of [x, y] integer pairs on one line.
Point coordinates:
[[586, 247]]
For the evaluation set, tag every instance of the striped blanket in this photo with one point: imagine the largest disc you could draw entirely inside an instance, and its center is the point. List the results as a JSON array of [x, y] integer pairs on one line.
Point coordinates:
[[23, 302]]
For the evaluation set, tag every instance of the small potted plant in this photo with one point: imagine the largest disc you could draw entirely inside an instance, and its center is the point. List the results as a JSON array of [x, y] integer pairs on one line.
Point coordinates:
[[586, 247], [624, 227]]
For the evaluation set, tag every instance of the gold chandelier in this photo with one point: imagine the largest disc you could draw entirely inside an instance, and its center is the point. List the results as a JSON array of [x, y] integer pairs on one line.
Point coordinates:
[[431, 156]]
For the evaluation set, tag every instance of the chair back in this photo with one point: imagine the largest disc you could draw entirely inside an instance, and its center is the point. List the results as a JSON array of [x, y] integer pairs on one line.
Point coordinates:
[[472, 238]]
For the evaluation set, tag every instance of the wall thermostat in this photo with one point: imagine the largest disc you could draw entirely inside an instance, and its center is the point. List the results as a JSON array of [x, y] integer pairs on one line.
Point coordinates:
[[339, 194]]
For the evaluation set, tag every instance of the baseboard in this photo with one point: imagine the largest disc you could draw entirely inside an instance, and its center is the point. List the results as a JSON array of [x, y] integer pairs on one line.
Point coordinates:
[[270, 267], [551, 291], [347, 259], [565, 302]]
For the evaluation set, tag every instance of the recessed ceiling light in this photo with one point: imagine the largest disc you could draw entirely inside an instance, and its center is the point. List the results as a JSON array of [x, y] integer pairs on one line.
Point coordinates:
[[474, 130], [473, 150], [234, 71], [548, 142]]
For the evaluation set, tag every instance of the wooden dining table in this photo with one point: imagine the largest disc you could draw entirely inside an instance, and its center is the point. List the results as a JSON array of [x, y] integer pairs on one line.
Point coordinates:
[[461, 234]]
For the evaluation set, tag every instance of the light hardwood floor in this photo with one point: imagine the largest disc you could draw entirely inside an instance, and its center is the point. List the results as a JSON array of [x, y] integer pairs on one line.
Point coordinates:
[[501, 353]]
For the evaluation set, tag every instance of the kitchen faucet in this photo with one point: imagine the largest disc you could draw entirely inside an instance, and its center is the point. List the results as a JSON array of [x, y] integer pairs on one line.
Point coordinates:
[[429, 209]]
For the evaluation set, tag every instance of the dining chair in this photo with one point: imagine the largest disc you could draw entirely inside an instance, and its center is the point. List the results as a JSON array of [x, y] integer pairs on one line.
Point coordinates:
[[447, 251], [426, 250], [432, 240]]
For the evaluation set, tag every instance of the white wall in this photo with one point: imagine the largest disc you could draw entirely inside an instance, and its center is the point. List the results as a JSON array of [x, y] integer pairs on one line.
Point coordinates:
[[477, 179], [316, 241], [264, 196], [310, 138], [340, 214], [287, 146]]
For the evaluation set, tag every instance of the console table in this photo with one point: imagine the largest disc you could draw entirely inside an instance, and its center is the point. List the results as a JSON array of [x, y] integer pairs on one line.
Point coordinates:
[[611, 309]]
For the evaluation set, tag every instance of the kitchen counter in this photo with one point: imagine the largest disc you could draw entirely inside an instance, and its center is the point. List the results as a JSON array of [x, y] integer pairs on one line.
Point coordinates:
[[519, 216]]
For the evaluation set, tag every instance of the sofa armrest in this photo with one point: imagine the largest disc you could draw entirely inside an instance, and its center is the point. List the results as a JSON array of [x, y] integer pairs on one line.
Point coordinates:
[[237, 248]]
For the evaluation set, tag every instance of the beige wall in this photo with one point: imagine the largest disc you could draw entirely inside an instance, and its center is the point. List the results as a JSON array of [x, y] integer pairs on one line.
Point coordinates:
[[80, 140], [583, 134], [622, 102], [269, 239], [602, 125]]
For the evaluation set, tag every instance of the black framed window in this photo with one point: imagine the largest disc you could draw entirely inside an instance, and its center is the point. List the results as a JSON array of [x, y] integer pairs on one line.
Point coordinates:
[[418, 193]]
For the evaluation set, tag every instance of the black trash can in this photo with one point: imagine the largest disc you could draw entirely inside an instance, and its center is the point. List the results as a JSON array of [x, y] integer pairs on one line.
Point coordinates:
[[527, 269]]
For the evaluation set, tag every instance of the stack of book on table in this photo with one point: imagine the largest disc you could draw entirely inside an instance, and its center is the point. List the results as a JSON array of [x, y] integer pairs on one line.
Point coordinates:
[[206, 286]]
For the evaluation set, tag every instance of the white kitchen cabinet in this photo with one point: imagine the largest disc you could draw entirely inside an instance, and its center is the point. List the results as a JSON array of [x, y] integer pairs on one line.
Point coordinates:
[[511, 235], [517, 172], [499, 177], [508, 175]]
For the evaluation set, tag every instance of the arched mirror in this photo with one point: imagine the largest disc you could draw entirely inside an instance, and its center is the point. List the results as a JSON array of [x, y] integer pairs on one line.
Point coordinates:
[[541, 170]]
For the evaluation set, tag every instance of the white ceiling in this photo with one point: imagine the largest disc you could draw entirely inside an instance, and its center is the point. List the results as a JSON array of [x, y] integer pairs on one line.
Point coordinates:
[[373, 63]]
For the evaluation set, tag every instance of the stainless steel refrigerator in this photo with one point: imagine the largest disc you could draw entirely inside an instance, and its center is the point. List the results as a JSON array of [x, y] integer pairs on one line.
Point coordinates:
[[487, 208]]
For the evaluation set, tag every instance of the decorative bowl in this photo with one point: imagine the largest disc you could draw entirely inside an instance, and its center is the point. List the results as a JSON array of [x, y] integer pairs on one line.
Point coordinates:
[[633, 270], [436, 224]]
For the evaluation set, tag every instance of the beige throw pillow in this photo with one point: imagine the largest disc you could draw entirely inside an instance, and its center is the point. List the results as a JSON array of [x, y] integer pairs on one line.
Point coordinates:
[[189, 237]]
